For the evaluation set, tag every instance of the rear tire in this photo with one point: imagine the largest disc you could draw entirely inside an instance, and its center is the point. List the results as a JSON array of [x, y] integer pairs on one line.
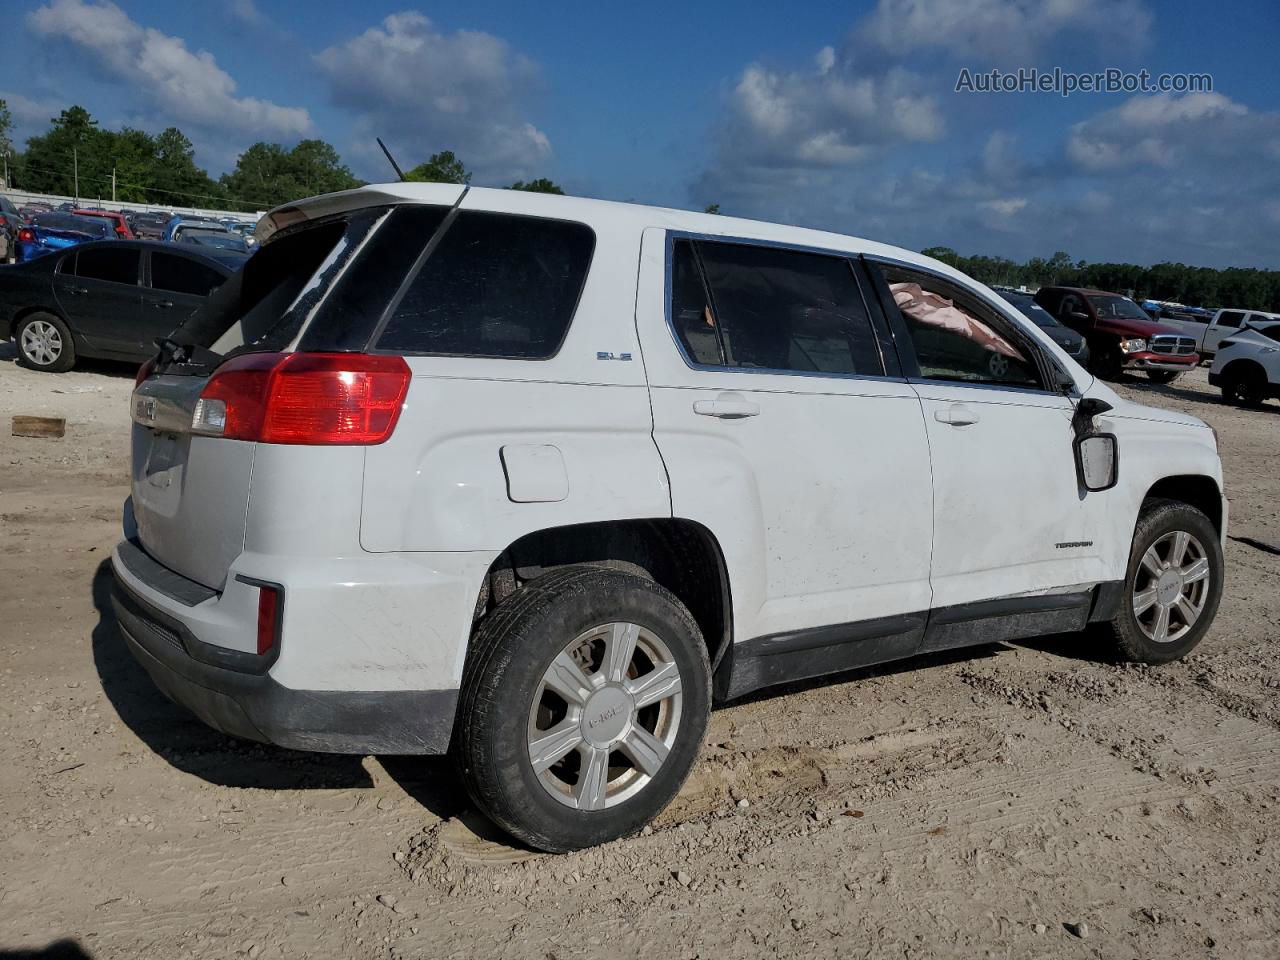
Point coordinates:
[[1162, 376], [584, 702], [1245, 385], [1173, 585], [44, 343]]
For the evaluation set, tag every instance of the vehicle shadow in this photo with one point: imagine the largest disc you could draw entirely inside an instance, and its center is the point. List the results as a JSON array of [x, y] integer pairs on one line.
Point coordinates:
[[185, 742], [109, 368], [58, 950]]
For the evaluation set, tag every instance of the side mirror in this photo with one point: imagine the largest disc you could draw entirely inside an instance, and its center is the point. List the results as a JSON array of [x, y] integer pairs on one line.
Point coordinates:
[[1097, 461]]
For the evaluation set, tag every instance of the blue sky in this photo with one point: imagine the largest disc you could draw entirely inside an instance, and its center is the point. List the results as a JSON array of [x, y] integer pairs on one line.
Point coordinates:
[[841, 116]]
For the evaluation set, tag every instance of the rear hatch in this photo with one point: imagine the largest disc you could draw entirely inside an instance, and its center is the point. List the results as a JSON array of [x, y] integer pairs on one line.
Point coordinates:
[[319, 286]]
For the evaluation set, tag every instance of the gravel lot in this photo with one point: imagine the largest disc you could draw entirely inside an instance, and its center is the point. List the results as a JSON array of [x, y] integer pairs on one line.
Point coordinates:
[[1010, 801]]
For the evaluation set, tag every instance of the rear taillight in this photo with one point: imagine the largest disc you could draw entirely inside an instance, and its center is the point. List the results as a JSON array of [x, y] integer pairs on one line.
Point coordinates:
[[26, 235], [144, 371], [304, 398], [268, 617]]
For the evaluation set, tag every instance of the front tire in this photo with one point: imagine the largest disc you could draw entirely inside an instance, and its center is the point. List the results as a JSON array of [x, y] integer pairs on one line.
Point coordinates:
[[584, 701], [44, 343], [1173, 584]]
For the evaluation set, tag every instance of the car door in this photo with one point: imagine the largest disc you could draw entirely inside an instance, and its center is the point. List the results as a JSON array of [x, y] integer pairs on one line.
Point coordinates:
[[785, 434], [175, 286], [97, 289], [1009, 515], [1224, 324]]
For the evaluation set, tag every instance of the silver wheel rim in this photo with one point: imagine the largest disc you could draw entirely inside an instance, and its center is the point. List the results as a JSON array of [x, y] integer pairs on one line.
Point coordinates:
[[1171, 587], [41, 342], [605, 716]]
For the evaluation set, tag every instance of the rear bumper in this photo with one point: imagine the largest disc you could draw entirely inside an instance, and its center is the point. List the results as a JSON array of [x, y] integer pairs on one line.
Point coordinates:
[[256, 707], [368, 660]]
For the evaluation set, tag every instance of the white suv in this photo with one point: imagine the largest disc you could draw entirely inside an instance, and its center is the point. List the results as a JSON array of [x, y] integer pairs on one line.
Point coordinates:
[[537, 480], [1247, 366]]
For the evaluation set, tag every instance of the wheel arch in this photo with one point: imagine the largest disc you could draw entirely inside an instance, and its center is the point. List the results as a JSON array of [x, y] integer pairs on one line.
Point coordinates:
[[681, 555], [23, 312], [1242, 365], [1196, 490]]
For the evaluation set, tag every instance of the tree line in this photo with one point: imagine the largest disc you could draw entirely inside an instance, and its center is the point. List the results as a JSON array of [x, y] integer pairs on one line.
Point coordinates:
[[161, 170], [1244, 287]]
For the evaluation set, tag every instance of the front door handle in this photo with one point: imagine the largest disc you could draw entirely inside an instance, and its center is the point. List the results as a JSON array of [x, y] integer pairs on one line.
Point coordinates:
[[162, 304], [727, 406], [76, 291], [958, 415]]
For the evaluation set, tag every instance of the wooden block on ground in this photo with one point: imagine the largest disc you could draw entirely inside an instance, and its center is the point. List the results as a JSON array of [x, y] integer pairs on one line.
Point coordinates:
[[48, 427]]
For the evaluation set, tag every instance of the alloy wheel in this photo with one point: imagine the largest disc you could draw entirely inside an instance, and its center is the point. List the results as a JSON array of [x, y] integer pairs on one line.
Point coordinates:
[[41, 342], [1171, 587], [605, 716]]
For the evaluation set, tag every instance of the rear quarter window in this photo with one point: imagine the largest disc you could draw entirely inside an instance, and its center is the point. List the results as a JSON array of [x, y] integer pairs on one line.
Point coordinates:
[[496, 285]]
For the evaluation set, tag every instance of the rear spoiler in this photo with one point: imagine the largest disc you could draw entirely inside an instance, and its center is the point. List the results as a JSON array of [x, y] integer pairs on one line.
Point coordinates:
[[374, 195]]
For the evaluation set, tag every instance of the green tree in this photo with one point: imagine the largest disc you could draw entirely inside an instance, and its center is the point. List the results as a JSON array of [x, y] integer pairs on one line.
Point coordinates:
[[6, 128], [442, 167], [50, 160], [711, 208], [267, 175], [175, 178], [541, 185]]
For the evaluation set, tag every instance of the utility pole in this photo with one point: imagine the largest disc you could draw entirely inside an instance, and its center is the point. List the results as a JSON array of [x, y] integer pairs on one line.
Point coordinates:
[[113, 184], [75, 166], [7, 184]]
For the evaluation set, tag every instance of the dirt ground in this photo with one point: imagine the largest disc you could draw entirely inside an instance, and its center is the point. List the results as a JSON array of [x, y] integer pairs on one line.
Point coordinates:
[[1009, 801]]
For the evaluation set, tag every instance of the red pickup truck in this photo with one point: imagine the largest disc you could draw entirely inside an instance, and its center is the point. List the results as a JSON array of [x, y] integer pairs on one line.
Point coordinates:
[[1121, 335]]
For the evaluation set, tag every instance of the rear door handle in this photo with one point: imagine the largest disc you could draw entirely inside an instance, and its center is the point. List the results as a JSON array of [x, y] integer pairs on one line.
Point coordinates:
[[958, 415], [727, 406], [76, 291], [162, 304]]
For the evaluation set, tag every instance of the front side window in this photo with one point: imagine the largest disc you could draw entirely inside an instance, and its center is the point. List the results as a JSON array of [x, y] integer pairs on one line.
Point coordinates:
[[496, 285], [768, 308], [957, 337], [108, 263]]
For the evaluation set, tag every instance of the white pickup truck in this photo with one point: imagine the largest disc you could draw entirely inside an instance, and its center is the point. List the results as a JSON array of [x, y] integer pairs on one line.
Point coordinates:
[[1209, 335]]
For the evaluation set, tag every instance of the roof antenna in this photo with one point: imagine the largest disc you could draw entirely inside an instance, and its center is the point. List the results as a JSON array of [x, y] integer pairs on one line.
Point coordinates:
[[391, 160]]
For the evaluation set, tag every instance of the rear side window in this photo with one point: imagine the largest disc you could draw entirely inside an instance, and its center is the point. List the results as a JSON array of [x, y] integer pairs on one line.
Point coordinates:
[[110, 264], [1230, 318], [496, 285], [183, 275], [776, 309]]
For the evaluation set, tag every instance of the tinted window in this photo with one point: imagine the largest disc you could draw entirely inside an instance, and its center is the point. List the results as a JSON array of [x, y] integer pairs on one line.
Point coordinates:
[[956, 336], [690, 308], [1230, 318], [109, 263], [786, 310], [495, 286], [1031, 310], [351, 311], [181, 275]]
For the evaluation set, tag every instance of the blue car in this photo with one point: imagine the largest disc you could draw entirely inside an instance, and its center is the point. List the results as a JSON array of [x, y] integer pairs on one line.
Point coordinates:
[[48, 232]]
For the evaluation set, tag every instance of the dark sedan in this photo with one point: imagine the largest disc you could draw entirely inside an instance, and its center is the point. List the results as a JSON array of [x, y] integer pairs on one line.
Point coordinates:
[[108, 299], [1063, 336]]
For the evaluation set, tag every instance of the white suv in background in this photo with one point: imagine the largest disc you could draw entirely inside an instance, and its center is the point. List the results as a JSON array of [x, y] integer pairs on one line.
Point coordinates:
[[1247, 365], [538, 480]]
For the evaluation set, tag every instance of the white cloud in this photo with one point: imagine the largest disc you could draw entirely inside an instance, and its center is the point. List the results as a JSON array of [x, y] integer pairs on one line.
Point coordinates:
[[1001, 31], [829, 115], [186, 87], [1162, 129], [246, 11], [428, 90]]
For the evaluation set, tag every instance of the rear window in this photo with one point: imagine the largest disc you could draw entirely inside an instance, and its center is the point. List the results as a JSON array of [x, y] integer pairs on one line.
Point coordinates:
[[496, 285], [183, 275]]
